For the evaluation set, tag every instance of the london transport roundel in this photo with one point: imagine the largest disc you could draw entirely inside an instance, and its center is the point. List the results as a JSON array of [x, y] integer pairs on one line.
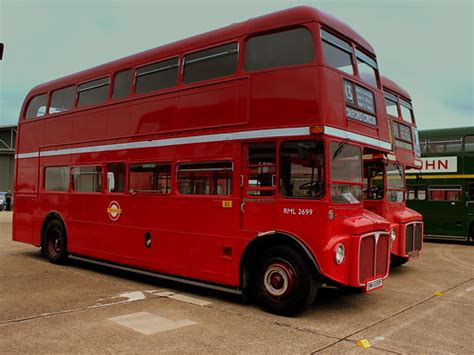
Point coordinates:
[[114, 210]]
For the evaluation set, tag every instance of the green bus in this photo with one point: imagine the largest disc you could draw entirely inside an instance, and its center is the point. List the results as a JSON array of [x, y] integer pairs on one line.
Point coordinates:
[[442, 190]]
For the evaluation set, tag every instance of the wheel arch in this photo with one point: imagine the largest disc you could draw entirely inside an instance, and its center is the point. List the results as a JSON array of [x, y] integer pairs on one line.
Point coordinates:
[[51, 216], [265, 240]]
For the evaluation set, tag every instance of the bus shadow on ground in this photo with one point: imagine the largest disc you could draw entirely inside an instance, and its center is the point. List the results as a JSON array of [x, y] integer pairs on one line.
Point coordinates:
[[447, 241], [328, 298]]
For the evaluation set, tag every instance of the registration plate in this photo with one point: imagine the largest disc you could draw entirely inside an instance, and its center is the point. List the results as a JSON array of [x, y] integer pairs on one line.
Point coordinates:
[[374, 284]]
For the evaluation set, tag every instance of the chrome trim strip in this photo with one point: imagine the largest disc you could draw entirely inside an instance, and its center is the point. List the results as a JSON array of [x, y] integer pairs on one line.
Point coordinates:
[[79, 90], [27, 155], [211, 56], [208, 138], [357, 137], [446, 237], [158, 275], [157, 70]]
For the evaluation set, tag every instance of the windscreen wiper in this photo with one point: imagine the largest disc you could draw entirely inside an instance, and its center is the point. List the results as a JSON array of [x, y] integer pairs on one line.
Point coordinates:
[[340, 148]]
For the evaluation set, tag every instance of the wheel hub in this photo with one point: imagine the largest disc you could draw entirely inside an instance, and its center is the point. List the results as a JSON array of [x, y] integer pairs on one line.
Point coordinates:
[[54, 242], [279, 279]]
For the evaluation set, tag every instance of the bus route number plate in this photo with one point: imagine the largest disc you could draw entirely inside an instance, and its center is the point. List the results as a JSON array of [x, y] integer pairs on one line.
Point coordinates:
[[374, 284]]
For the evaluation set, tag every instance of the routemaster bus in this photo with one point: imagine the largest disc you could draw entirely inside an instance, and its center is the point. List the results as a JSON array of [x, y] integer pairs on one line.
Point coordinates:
[[443, 188], [384, 177], [231, 160]]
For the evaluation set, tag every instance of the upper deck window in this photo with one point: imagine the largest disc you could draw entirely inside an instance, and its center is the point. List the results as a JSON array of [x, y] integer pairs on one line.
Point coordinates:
[[122, 84], [337, 53], [423, 145], [391, 104], [211, 63], [37, 106], [444, 145], [62, 100], [289, 47], [367, 68], [93, 92], [469, 144], [407, 111], [402, 134], [157, 76]]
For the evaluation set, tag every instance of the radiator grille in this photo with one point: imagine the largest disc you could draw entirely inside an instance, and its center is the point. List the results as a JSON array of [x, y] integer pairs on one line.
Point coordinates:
[[418, 236], [413, 237], [373, 257], [409, 238]]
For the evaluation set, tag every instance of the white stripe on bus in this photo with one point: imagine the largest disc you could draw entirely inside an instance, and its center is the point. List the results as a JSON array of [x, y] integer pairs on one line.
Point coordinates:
[[220, 137]]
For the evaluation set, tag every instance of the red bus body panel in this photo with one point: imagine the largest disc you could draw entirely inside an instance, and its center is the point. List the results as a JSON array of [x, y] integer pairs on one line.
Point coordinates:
[[191, 235]]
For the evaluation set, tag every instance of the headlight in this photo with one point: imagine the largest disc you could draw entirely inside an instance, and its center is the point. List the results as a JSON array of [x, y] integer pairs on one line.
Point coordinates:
[[340, 253], [1, 201], [393, 233]]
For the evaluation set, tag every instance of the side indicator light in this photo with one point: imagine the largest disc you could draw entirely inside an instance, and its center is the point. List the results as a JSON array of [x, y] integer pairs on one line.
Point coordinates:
[[316, 130], [363, 343], [438, 293]]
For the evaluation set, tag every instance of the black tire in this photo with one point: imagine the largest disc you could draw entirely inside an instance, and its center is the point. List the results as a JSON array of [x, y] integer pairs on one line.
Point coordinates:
[[285, 284], [54, 246], [470, 237], [396, 260]]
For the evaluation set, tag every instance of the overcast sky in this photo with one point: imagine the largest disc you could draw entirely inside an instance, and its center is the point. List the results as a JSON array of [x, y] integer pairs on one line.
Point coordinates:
[[425, 46]]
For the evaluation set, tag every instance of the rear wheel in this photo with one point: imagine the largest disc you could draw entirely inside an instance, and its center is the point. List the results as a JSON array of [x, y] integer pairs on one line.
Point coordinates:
[[286, 285], [55, 243]]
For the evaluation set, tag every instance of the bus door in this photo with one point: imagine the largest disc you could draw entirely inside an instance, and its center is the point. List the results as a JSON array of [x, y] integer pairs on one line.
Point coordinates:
[[258, 186], [446, 215], [470, 199]]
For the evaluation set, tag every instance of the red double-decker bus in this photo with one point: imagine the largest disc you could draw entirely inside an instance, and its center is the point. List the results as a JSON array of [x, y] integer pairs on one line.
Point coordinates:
[[232, 160], [384, 177]]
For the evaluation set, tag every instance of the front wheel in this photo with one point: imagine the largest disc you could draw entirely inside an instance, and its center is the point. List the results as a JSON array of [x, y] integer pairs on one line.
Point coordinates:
[[396, 260], [286, 284], [55, 243]]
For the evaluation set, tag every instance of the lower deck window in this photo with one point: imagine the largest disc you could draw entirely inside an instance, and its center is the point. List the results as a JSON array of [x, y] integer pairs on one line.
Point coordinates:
[[115, 177], [345, 193], [150, 177], [416, 193], [210, 178], [261, 169], [87, 179], [56, 178], [445, 193], [302, 169], [346, 173]]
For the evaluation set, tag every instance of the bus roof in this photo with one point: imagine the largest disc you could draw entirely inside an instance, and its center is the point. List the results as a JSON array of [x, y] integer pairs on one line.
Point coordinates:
[[447, 132], [288, 17], [389, 84]]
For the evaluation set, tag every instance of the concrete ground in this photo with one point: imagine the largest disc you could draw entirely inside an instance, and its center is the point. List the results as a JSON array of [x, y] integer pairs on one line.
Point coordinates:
[[80, 308]]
